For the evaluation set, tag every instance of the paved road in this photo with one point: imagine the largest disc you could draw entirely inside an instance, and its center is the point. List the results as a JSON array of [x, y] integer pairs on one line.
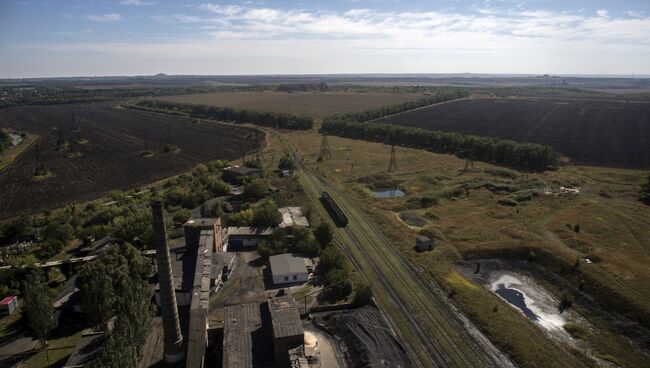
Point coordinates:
[[435, 334]]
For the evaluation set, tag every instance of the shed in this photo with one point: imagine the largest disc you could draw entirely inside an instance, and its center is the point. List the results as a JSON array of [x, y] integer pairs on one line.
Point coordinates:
[[424, 243], [233, 173], [286, 269], [8, 305], [244, 236]]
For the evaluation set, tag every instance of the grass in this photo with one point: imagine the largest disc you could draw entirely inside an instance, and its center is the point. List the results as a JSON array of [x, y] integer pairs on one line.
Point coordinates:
[[470, 222], [10, 155], [313, 104]]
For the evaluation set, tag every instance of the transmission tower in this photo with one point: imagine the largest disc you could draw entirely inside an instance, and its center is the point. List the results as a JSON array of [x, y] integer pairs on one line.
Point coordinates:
[[325, 153], [392, 166]]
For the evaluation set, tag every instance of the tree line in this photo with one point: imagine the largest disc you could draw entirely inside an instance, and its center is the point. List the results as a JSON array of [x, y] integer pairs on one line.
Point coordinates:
[[525, 156], [442, 95], [270, 119]]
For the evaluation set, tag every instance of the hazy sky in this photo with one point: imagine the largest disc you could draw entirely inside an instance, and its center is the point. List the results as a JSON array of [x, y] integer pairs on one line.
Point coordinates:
[[87, 38]]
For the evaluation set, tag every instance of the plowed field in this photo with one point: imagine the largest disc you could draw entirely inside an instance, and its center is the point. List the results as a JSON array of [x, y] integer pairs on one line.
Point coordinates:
[[105, 152], [606, 133]]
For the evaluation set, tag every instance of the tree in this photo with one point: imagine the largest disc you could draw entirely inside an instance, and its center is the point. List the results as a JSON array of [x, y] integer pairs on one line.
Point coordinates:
[[305, 243], [181, 216], [135, 227], [96, 293], [338, 283], [38, 299], [255, 189], [645, 192], [58, 231], [324, 234], [330, 259], [363, 294], [286, 163], [266, 214]]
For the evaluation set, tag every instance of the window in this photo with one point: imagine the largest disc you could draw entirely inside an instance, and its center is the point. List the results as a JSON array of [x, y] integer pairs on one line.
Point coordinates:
[[295, 277], [286, 278]]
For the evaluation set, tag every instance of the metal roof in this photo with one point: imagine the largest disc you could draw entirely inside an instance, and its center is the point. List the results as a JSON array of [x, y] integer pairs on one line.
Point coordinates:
[[7, 300], [286, 263], [249, 231], [293, 216], [241, 323], [285, 317]]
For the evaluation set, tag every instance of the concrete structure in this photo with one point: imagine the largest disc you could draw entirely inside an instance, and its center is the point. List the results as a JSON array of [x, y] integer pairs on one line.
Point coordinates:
[[262, 334], [288, 333], [286, 269], [173, 339], [222, 266], [194, 227], [197, 341], [8, 305], [293, 216], [244, 236], [424, 243], [233, 173], [86, 350]]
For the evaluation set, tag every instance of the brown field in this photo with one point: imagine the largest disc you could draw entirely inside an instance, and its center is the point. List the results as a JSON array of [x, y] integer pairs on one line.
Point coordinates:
[[105, 152], [313, 104], [469, 222], [594, 132]]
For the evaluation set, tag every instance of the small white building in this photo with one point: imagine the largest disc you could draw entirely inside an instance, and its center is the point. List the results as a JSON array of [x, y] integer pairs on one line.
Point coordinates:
[[287, 269], [8, 305], [424, 243]]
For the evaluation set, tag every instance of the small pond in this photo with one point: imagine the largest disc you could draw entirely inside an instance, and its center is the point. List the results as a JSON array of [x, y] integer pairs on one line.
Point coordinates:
[[534, 302], [388, 192], [15, 139]]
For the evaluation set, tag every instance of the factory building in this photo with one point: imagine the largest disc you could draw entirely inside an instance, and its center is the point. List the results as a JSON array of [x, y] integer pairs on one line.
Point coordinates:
[[287, 269], [262, 334]]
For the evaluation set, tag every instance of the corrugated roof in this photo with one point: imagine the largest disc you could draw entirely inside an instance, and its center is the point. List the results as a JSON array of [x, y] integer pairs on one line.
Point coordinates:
[[286, 263], [240, 321], [7, 300], [285, 317]]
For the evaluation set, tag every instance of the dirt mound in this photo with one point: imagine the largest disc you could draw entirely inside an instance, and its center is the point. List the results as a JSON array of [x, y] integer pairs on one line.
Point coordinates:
[[367, 340]]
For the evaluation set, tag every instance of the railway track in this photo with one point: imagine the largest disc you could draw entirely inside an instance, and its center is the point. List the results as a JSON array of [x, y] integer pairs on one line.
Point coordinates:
[[433, 332]]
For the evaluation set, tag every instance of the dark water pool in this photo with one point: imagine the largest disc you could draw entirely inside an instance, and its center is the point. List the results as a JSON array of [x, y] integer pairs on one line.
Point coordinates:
[[516, 298], [388, 192]]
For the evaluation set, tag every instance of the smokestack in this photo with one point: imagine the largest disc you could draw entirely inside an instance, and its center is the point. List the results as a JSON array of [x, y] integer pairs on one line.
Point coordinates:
[[171, 326]]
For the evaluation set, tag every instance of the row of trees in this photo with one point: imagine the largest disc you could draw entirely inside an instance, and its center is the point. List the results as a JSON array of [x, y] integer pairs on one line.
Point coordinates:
[[5, 141], [442, 95], [645, 192], [525, 156], [270, 119]]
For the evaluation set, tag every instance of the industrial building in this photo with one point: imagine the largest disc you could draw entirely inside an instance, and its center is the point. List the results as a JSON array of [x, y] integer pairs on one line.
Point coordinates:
[[8, 305], [87, 350], [293, 216], [262, 334], [232, 174], [286, 269], [424, 243], [245, 236]]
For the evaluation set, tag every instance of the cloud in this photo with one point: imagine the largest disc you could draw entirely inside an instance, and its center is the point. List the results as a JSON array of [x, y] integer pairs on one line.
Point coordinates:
[[107, 18], [137, 2], [177, 18], [602, 13]]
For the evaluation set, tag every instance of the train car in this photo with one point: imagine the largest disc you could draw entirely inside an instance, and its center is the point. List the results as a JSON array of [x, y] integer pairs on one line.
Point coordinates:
[[340, 219]]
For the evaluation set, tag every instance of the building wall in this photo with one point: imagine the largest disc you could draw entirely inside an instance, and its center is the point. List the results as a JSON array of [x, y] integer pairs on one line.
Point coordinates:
[[287, 278], [183, 298], [281, 347]]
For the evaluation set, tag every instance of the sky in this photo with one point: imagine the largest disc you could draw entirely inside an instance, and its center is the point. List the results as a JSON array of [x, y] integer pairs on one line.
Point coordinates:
[[58, 38]]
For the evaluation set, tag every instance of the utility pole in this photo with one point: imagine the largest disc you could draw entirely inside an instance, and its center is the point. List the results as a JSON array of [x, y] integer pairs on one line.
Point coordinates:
[[392, 165], [325, 153]]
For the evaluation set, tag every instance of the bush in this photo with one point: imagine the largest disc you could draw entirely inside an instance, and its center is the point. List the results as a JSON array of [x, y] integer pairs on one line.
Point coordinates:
[[507, 202], [566, 300], [255, 190], [576, 331], [324, 234], [330, 259], [286, 163], [363, 294], [266, 214], [338, 283], [50, 248], [181, 216]]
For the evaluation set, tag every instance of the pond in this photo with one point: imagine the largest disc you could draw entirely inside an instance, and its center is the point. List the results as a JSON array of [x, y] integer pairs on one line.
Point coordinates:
[[534, 302], [388, 192]]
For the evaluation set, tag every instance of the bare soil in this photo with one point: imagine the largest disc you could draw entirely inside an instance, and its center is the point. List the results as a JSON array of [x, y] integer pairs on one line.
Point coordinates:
[[104, 151], [597, 132]]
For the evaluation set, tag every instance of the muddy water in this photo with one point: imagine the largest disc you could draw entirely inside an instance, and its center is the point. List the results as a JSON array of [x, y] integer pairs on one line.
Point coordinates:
[[529, 298]]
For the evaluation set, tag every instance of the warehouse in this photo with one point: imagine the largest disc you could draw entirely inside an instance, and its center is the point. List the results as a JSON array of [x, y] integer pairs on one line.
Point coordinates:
[[245, 237], [286, 269]]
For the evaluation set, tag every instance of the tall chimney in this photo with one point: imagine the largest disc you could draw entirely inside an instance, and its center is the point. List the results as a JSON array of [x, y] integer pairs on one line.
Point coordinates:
[[171, 326]]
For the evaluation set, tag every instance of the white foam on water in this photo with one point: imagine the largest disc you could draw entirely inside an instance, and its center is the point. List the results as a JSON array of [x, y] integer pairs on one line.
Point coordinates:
[[547, 316]]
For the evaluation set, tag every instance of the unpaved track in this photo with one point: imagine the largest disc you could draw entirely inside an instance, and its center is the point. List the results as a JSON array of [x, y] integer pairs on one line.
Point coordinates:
[[434, 332]]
